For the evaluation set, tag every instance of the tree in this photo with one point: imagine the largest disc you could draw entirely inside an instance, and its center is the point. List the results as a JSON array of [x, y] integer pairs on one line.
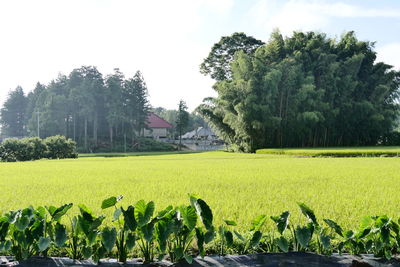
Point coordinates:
[[305, 90], [13, 115], [217, 63], [182, 120]]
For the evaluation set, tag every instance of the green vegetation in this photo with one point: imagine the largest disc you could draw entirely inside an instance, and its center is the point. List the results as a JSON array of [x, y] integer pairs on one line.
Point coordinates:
[[305, 90], [34, 148], [236, 186], [335, 151], [182, 232]]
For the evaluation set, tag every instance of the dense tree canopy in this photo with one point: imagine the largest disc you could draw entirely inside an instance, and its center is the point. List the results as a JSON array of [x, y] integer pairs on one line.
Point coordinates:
[[83, 106], [304, 90]]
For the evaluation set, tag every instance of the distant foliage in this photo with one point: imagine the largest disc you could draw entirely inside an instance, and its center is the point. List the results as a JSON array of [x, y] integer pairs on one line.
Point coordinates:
[[306, 90], [55, 147]]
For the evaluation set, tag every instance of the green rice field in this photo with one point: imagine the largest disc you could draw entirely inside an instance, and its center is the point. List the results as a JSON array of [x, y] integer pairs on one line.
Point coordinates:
[[236, 186]]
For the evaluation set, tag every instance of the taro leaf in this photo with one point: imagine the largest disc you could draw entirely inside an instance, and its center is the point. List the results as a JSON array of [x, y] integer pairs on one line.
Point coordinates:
[[12, 216], [97, 222], [283, 244], [57, 213], [363, 233], [230, 223], [388, 254], [382, 221], [40, 212], [147, 231], [209, 235], [189, 216], [336, 227], [325, 240], [44, 243], [109, 202], [281, 221], [239, 236], [255, 240], [165, 212], [99, 253], [200, 241], [178, 251], [368, 245], [37, 229], [309, 213], [87, 252], [130, 241], [28, 212], [4, 227], [258, 222], [129, 218], [116, 215], [349, 234], [366, 222], [86, 212], [205, 213], [385, 234], [143, 212], [303, 235], [229, 239], [162, 230], [60, 235], [108, 238], [188, 258], [7, 245], [22, 223], [395, 227]]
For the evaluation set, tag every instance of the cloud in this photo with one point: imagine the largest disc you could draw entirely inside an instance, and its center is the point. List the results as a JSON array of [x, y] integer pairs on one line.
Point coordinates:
[[308, 14]]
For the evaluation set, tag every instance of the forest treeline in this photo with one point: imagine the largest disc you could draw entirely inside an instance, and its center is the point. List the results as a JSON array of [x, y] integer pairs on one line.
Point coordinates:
[[305, 90], [98, 112], [83, 106]]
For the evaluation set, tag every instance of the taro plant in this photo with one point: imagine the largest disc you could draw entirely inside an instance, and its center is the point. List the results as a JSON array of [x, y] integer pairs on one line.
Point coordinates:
[[251, 240], [145, 228], [226, 236], [125, 235], [282, 223]]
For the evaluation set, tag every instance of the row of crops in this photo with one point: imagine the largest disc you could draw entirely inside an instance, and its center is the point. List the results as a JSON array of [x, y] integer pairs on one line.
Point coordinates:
[[180, 233], [335, 152]]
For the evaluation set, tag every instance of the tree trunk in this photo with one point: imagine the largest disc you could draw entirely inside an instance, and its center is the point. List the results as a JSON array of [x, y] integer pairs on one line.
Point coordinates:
[[111, 137], [85, 141], [95, 126]]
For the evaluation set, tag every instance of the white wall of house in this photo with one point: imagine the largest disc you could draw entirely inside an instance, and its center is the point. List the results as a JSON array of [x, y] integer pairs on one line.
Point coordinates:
[[156, 133]]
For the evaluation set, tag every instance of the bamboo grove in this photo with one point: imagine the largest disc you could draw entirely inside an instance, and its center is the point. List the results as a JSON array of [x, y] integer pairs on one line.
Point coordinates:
[[306, 90]]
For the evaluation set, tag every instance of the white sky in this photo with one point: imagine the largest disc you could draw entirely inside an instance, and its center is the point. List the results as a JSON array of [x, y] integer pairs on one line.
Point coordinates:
[[166, 40]]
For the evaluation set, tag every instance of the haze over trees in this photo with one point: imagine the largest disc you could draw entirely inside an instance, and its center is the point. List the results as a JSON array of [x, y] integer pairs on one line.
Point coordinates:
[[303, 90], [84, 106]]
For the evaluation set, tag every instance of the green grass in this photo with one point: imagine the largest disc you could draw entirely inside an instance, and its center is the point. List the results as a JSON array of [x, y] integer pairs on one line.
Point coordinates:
[[388, 151], [236, 186]]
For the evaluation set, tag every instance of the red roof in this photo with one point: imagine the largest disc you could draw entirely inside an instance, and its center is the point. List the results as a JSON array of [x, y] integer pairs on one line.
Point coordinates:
[[154, 121]]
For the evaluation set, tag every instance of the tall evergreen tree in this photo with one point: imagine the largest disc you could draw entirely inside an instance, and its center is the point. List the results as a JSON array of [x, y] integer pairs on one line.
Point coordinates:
[[12, 115]]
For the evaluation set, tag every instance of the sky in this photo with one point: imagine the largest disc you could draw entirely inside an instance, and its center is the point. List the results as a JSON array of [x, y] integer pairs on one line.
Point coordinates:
[[167, 40]]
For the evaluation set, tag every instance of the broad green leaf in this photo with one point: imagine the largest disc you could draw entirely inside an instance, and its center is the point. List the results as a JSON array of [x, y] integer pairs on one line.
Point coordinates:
[[325, 241], [130, 241], [108, 238], [87, 252], [204, 212], [188, 258], [229, 239], [86, 212], [4, 227], [22, 223], [336, 227], [60, 235], [281, 221], [129, 218], [283, 244], [303, 235], [147, 231], [178, 251], [239, 236], [109, 202], [57, 213], [230, 223], [189, 216], [209, 235], [348, 234], [200, 241], [44, 243], [116, 215], [143, 212], [309, 213], [258, 222], [255, 240]]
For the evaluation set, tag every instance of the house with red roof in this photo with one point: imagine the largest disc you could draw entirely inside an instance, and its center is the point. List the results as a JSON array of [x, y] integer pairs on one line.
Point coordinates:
[[158, 127]]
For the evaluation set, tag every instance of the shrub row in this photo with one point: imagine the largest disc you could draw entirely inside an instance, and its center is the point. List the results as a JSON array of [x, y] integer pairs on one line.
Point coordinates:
[[339, 152], [179, 233], [33, 148]]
